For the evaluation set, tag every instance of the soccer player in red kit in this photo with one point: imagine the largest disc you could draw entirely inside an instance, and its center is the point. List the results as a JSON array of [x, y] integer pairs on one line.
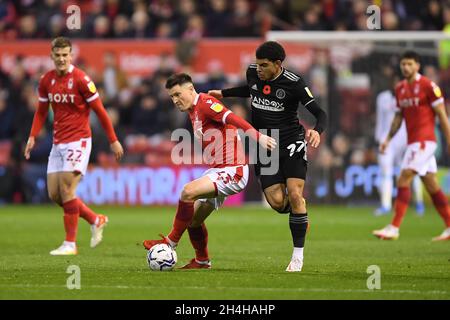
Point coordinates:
[[419, 101], [216, 127], [71, 94]]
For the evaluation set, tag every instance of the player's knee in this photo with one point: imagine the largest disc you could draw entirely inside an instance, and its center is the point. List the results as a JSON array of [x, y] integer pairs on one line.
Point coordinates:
[[296, 198], [54, 196], [66, 194], [278, 206], [188, 193]]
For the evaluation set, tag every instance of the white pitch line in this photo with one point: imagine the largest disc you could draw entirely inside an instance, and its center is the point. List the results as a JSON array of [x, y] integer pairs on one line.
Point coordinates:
[[235, 288]]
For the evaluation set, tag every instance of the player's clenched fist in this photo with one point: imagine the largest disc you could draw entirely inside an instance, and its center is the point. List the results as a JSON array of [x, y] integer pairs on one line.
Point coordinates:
[[313, 138], [383, 146], [117, 149], [29, 147], [267, 142], [216, 94]]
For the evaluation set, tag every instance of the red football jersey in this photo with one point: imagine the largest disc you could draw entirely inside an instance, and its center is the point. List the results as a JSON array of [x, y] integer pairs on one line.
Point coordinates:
[[416, 101], [68, 96], [208, 121]]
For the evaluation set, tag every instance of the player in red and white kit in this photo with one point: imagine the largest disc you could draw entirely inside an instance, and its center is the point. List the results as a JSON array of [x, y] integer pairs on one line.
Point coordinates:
[[228, 174], [71, 94], [419, 101]]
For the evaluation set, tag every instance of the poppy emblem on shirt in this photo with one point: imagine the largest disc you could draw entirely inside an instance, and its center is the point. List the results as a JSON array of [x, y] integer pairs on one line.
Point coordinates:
[[83, 144], [266, 89]]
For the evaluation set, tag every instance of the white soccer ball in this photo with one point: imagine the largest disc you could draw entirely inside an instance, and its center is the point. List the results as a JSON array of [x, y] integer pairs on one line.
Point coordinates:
[[161, 257]]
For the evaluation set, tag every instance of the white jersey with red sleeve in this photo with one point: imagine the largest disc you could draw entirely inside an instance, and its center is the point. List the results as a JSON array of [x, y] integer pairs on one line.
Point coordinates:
[[218, 139], [416, 101], [68, 95]]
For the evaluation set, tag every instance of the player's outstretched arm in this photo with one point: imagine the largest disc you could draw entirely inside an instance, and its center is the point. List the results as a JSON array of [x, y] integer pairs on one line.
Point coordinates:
[[443, 120], [242, 91], [265, 141], [395, 125]]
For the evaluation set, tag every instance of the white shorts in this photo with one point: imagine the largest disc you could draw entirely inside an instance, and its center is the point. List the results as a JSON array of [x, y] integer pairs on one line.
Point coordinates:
[[228, 181], [70, 157], [419, 156]]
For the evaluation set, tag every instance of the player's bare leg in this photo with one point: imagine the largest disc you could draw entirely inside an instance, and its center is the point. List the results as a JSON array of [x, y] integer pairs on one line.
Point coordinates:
[[391, 231], [277, 198], [53, 188], [67, 183], [440, 203], [198, 189], [198, 235], [298, 222]]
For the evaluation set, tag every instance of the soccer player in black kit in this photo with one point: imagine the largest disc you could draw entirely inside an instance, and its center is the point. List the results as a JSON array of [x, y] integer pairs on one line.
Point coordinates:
[[275, 93]]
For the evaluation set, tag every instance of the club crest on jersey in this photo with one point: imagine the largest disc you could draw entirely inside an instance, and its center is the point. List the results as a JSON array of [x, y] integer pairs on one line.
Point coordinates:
[[52, 82], [266, 89], [70, 84], [217, 107], [416, 89], [92, 87], [280, 94]]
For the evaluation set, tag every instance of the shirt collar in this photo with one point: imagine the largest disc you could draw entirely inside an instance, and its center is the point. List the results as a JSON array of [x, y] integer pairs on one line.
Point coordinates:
[[196, 99]]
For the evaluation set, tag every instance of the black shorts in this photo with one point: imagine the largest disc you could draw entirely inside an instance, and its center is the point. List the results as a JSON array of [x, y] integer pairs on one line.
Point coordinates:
[[292, 165]]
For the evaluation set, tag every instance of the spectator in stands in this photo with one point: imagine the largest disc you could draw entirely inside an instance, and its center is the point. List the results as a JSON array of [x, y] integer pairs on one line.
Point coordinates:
[[121, 27], [114, 79], [6, 117], [217, 11]]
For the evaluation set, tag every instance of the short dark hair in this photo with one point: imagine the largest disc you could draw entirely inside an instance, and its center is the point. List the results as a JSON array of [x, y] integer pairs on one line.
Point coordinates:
[[178, 78], [410, 55], [271, 50], [61, 42]]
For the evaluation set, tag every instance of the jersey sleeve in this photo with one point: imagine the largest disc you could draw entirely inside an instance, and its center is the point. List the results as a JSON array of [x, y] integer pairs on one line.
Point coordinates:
[[87, 87], [42, 90], [304, 94], [41, 113], [215, 111], [434, 94]]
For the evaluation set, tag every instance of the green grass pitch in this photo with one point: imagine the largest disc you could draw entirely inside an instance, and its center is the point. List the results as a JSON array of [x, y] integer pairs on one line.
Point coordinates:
[[250, 248]]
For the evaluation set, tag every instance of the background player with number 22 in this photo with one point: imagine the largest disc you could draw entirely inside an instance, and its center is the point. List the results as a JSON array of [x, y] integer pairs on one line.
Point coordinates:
[[419, 101], [71, 94]]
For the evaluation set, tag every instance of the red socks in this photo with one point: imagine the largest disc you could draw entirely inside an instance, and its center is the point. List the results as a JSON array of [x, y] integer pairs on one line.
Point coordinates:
[[71, 213], [441, 204], [86, 213], [401, 205], [182, 220], [199, 240]]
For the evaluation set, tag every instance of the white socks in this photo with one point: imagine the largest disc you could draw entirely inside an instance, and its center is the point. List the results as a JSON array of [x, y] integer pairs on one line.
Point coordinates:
[[298, 253], [70, 244]]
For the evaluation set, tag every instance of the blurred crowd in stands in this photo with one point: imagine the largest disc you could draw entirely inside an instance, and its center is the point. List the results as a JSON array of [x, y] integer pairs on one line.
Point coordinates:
[[102, 19]]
